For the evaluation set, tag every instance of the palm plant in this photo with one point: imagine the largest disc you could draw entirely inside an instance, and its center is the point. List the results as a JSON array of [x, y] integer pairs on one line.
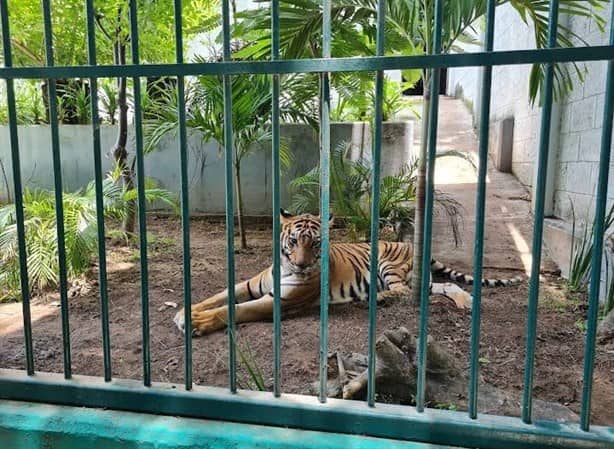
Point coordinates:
[[355, 99], [581, 252], [608, 304], [80, 231], [30, 109], [78, 97], [409, 30], [251, 108], [351, 183], [108, 100]]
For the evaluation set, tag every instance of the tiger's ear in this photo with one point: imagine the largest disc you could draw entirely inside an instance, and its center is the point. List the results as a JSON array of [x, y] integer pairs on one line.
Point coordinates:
[[285, 216]]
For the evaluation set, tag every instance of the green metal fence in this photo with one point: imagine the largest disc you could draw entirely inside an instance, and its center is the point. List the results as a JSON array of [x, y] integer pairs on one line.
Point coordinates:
[[406, 423]]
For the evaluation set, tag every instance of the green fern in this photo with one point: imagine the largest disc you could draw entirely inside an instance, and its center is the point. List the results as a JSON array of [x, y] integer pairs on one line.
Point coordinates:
[[80, 232]]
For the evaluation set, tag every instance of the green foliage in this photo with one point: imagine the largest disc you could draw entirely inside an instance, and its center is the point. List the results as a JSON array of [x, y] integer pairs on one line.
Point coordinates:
[[581, 254], [75, 103], [41, 237], [355, 100], [446, 406], [608, 251], [27, 35], [581, 325], [107, 96], [251, 108], [155, 23], [29, 104], [251, 117], [351, 183], [250, 376], [409, 29]]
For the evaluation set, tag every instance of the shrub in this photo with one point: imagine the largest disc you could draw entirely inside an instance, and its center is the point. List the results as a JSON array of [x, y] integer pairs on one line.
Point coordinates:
[[41, 232], [350, 190]]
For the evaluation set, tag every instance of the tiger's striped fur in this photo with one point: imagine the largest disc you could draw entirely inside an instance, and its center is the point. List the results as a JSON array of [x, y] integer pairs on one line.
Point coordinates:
[[300, 277]]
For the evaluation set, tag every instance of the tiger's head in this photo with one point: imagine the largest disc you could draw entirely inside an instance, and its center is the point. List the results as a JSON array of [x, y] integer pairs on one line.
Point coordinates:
[[300, 242]]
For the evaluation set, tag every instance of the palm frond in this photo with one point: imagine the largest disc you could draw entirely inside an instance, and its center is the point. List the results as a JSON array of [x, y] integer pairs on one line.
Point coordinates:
[[80, 231], [350, 191]]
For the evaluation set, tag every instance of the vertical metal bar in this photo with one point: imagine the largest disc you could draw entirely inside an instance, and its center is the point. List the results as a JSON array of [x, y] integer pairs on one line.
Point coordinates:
[[102, 255], [229, 161], [324, 198], [140, 179], [17, 185], [542, 167], [602, 191], [376, 154], [276, 204], [185, 209], [428, 213], [57, 175], [478, 251]]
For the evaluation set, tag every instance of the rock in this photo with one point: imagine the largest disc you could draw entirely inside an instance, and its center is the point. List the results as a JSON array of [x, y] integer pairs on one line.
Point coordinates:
[[333, 388], [166, 305], [396, 374], [605, 330]]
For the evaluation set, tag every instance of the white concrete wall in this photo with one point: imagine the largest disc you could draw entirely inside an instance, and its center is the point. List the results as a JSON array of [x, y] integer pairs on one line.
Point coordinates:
[[205, 164]]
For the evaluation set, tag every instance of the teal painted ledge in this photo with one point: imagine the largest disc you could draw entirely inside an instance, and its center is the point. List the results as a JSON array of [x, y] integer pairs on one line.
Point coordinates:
[[25, 425]]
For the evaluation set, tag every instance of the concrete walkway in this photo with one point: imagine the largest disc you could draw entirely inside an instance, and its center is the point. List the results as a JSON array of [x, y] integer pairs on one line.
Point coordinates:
[[509, 222]]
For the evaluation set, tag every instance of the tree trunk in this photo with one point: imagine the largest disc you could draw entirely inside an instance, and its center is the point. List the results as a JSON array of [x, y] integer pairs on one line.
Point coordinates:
[[233, 5], [120, 152], [242, 236], [420, 193]]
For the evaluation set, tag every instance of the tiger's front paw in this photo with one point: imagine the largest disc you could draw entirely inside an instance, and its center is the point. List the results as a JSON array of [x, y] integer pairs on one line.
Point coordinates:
[[206, 322]]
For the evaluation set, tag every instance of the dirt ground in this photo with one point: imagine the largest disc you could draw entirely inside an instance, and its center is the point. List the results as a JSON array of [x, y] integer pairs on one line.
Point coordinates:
[[560, 337]]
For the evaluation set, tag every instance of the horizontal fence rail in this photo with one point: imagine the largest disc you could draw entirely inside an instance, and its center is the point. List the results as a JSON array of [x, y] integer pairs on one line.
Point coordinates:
[[305, 412], [317, 65], [401, 422]]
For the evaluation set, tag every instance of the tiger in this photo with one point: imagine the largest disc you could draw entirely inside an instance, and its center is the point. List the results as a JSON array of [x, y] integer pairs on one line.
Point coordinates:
[[300, 241]]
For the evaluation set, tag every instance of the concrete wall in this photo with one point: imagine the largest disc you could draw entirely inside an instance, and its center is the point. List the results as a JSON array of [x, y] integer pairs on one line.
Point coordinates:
[[26, 425], [206, 164], [576, 127]]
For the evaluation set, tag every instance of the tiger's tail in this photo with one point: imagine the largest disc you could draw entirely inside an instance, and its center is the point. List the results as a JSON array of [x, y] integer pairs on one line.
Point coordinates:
[[438, 268]]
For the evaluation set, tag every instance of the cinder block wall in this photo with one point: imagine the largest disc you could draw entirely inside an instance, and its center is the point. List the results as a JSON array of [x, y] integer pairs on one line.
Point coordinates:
[[580, 133]]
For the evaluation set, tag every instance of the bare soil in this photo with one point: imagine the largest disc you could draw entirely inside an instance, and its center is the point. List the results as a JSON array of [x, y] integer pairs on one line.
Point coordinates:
[[559, 356]]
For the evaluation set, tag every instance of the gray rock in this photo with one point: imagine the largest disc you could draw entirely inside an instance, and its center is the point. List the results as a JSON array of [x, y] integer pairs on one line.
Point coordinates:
[[605, 330]]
